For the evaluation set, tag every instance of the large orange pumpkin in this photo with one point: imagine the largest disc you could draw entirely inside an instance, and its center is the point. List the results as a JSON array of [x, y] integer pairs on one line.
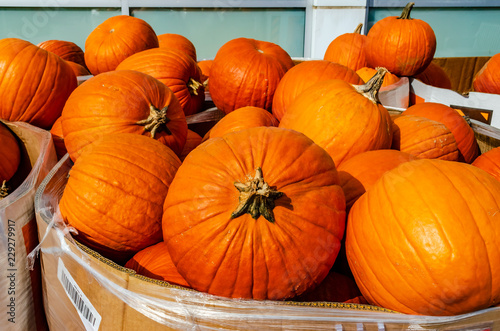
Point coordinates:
[[246, 72], [305, 74], [173, 68], [115, 192], [361, 171], [342, 118], [240, 119], [257, 213], [123, 101], [424, 240], [403, 45], [34, 83], [348, 49], [489, 162], [67, 50], [155, 262], [468, 148], [487, 80], [179, 42], [115, 39], [10, 154], [424, 138]]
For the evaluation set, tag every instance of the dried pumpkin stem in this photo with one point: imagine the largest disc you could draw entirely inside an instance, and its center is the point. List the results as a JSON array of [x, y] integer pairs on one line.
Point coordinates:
[[4, 190], [370, 88], [194, 85], [156, 121], [405, 15], [358, 28], [256, 198]]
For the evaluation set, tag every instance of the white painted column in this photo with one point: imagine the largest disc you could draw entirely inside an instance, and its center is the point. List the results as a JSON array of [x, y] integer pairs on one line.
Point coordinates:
[[327, 19]]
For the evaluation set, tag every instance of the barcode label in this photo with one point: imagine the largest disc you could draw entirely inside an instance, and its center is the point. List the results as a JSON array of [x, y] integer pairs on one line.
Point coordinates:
[[88, 314]]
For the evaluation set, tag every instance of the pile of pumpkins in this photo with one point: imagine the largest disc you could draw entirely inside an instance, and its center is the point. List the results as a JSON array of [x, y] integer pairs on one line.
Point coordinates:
[[308, 189]]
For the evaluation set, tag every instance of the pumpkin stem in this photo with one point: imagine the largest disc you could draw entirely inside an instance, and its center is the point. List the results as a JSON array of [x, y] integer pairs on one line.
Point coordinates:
[[256, 198], [3, 190], [157, 120], [193, 86], [358, 28], [405, 15], [370, 88]]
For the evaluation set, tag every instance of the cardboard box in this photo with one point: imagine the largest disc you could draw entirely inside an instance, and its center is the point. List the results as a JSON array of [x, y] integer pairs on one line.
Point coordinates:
[[20, 287], [84, 291], [461, 71]]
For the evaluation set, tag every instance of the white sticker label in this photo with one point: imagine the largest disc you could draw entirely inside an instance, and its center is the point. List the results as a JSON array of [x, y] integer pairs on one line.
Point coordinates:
[[89, 315]]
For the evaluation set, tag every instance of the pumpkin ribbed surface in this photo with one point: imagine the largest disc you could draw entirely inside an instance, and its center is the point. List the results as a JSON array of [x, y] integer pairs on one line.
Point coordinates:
[[256, 213], [34, 83], [115, 192], [487, 80], [123, 101], [67, 50], [425, 239], [305, 74], [173, 68]]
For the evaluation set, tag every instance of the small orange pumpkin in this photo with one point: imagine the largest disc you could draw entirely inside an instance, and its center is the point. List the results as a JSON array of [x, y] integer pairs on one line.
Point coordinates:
[[489, 162], [115, 192], [205, 66], [424, 138], [114, 40], [336, 287], [343, 119], [58, 138], [367, 73], [487, 80], [468, 148], [434, 75], [155, 262], [403, 45], [179, 42], [246, 72], [67, 50], [78, 69], [193, 139], [173, 68], [123, 101], [10, 154], [305, 74], [348, 49]]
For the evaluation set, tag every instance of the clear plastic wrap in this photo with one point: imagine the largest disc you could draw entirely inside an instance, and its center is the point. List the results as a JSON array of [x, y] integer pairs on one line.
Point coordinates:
[[84, 291], [20, 287]]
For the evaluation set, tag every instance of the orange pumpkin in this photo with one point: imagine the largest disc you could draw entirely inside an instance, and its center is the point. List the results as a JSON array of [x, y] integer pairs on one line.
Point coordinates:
[[193, 139], [336, 287], [10, 154], [78, 69], [155, 262], [114, 40], [487, 80], [246, 72], [67, 50], [305, 74], [115, 193], [409, 53], [434, 75], [425, 240], [205, 66], [240, 119], [175, 69], [58, 138], [348, 49], [342, 118], [179, 42], [489, 162], [35, 83], [468, 148], [424, 138], [124, 101], [367, 73], [267, 200], [360, 172]]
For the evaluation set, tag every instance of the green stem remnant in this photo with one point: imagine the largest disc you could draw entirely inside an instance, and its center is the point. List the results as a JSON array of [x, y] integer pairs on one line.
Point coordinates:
[[256, 198], [3, 190], [370, 88], [193, 86], [405, 15], [156, 121]]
